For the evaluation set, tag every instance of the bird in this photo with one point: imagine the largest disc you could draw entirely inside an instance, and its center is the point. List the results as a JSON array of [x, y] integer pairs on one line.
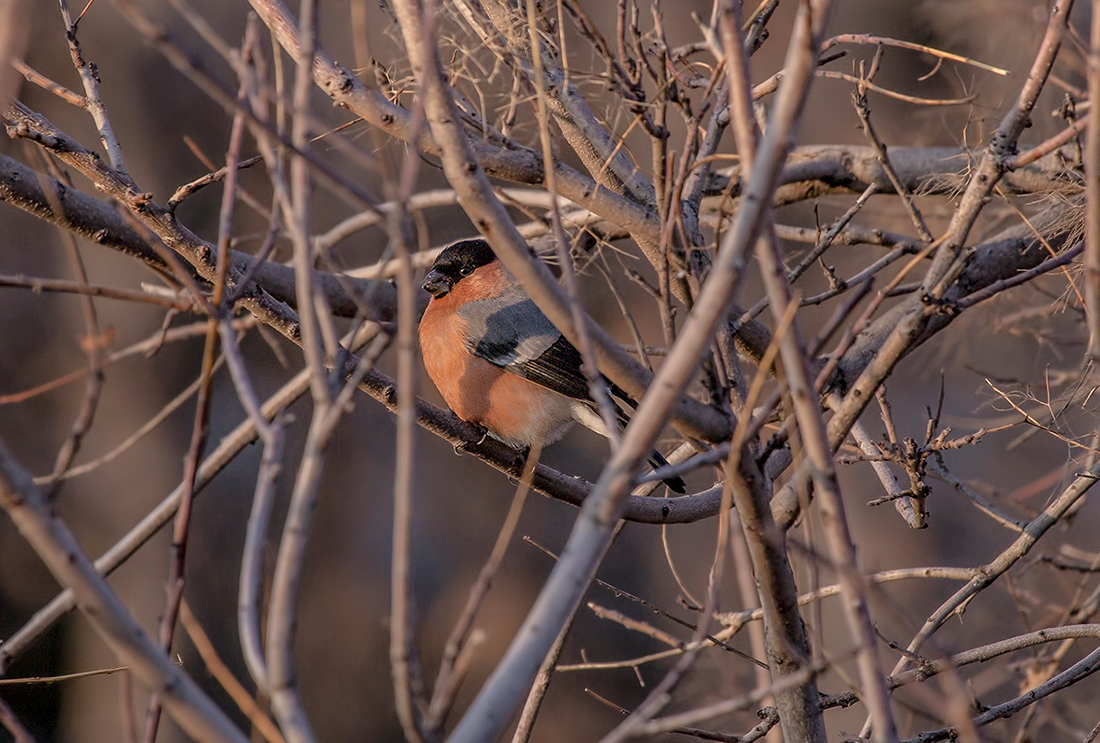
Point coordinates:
[[499, 362]]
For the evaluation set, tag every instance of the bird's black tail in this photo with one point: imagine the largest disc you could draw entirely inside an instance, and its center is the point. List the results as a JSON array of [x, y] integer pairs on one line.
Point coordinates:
[[675, 483]]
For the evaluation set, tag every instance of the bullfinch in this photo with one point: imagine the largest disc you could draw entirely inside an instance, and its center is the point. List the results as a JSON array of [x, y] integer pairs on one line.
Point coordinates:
[[498, 361]]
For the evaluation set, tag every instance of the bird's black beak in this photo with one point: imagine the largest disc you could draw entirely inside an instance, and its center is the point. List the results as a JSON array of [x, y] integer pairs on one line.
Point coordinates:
[[437, 284]]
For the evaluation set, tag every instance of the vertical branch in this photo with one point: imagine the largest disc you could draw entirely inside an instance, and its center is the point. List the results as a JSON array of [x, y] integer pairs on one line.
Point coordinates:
[[785, 640], [248, 592], [661, 167], [404, 664], [252, 558], [282, 614], [740, 84], [746, 588], [408, 682], [272, 435], [812, 430], [1092, 185], [283, 609], [299, 222]]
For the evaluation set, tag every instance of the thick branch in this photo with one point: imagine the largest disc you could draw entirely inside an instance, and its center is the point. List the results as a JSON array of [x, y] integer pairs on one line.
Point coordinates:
[[820, 170]]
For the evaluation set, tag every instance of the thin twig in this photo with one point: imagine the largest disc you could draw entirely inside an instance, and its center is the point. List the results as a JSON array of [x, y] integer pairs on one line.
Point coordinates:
[[38, 285], [89, 77], [61, 677], [1092, 209]]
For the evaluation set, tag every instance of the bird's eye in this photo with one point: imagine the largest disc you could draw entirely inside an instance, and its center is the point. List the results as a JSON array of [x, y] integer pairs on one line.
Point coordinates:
[[466, 270]]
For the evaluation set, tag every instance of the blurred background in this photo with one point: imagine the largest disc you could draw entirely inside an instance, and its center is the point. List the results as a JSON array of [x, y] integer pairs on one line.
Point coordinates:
[[162, 119]]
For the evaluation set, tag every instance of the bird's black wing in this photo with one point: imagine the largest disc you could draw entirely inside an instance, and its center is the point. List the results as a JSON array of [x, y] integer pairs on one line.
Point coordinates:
[[557, 368], [511, 332]]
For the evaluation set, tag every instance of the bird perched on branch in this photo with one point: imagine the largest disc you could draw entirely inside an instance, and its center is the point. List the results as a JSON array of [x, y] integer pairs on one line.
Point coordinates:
[[498, 361]]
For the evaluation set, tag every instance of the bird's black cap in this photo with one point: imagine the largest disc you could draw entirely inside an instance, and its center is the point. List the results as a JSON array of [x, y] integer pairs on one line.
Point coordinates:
[[455, 261]]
